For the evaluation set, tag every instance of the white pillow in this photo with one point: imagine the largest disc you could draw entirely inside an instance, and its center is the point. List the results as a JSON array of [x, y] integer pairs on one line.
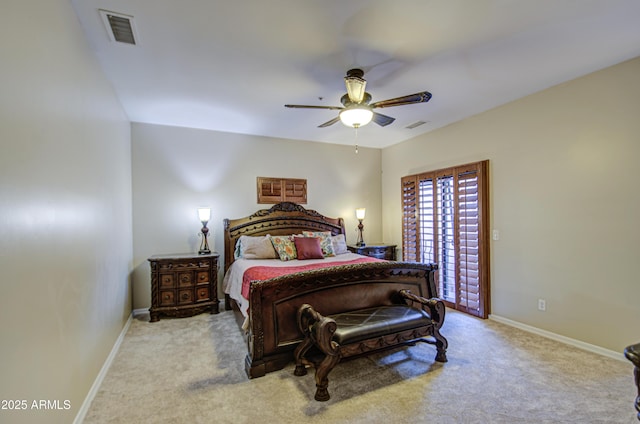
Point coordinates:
[[339, 244], [257, 248]]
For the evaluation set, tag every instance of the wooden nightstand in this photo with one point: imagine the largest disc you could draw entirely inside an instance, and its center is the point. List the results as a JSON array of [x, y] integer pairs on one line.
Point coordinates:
[[183, 285], [377, 250]]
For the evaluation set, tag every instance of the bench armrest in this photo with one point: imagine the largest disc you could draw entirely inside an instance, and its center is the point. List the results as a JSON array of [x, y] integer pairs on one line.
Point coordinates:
[[319, 328], [434, 306], [633, 354]]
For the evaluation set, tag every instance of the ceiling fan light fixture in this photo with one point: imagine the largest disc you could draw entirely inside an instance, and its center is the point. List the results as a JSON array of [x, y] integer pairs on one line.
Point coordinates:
[[356, 116]]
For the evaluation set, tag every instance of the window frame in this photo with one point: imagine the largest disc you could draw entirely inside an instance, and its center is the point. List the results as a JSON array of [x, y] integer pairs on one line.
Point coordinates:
[[412, 243]]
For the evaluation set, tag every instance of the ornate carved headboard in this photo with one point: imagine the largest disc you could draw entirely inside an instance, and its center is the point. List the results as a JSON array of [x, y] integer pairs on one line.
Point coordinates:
[[281, 219]]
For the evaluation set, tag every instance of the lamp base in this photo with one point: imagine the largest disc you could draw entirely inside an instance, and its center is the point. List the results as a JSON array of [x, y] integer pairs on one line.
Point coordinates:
[[360, 241], [204, 246]]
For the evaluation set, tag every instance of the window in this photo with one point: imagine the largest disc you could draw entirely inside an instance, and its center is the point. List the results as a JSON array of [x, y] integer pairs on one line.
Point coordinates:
[[446, 221]]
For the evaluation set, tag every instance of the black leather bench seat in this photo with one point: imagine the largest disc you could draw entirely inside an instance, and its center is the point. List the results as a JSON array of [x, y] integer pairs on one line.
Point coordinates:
[[365, 324]]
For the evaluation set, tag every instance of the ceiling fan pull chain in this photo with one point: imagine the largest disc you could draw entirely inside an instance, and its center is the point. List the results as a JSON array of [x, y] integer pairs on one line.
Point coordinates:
[[356, 127]]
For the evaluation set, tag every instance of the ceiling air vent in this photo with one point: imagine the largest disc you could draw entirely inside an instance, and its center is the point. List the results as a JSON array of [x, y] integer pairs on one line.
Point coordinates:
[[119, 27], [416, 124]]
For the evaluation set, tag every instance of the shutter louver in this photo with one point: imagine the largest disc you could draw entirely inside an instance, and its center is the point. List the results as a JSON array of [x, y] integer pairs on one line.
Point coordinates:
[[295, 190], [468, 243], [446, 238], [269, 190], [409, 220], [427, 222]]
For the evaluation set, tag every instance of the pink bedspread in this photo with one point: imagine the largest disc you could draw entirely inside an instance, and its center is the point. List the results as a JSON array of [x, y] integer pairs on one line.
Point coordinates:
[[266, 272]]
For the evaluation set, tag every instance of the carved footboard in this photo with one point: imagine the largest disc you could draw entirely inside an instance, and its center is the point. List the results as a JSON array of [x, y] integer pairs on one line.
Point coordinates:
[[273, 331]]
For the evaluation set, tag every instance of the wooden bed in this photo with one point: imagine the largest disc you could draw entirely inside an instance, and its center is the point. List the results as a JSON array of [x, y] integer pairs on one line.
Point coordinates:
[[271, 326]]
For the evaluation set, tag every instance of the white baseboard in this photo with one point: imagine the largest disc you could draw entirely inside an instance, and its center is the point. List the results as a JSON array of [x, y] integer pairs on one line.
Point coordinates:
[[103, 372], [141, 311], [557, 337]]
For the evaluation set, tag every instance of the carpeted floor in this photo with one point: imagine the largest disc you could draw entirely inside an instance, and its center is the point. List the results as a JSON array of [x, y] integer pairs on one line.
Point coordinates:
[[191, 370]]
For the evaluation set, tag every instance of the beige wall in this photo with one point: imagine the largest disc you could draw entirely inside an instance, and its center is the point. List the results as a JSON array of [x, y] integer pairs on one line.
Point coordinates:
[[65, 211], [564, 197], [176, 170]]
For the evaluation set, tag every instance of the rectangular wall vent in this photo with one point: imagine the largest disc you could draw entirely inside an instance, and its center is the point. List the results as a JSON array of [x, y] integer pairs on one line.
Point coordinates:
[[416, 124], [119, 27]]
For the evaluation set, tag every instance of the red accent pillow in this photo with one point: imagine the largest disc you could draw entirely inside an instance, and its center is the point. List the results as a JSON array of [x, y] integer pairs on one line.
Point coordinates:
[[308, 248]]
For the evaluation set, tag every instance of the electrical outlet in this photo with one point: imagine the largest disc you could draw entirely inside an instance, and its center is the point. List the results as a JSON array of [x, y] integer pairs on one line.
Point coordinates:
[[542, 305]]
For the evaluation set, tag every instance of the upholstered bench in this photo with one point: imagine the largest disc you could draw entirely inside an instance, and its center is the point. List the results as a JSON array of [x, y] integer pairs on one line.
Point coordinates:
[[354, 333]]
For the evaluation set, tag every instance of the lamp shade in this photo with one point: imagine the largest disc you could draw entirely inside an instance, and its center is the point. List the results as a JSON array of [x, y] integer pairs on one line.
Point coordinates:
[[204, 214], [356, 116], [360, 213], [355, 88]]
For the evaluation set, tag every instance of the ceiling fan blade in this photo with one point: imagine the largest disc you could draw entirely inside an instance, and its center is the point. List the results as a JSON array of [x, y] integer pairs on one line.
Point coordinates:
[[422, 97], [315, 107], [382, 120], [328, 123]]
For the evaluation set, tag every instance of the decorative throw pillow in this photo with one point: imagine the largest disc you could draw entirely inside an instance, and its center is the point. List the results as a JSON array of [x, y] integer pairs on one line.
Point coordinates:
[[308, 248], [285, 247], [325, 241], [339, 244], [257, 248]]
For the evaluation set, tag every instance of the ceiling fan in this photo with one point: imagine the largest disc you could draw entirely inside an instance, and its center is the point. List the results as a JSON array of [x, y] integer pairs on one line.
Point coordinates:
[[357, 111]]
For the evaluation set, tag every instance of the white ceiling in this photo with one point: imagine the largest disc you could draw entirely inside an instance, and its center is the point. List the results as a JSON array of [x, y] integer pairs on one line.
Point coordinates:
[[232, 65]]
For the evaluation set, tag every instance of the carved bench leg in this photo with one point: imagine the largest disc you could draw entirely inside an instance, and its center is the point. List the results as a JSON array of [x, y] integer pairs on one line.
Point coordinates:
[[441, 346], [299, 353], [306, 315], [318, 331], [322, 373], [436, 309]]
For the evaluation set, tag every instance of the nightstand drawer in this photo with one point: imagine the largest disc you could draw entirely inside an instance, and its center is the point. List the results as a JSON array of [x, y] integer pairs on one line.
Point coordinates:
[[202, 277], [167, 298], [202, 293], [185, 279], [379, 251], [185, 296], [167, 281]]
